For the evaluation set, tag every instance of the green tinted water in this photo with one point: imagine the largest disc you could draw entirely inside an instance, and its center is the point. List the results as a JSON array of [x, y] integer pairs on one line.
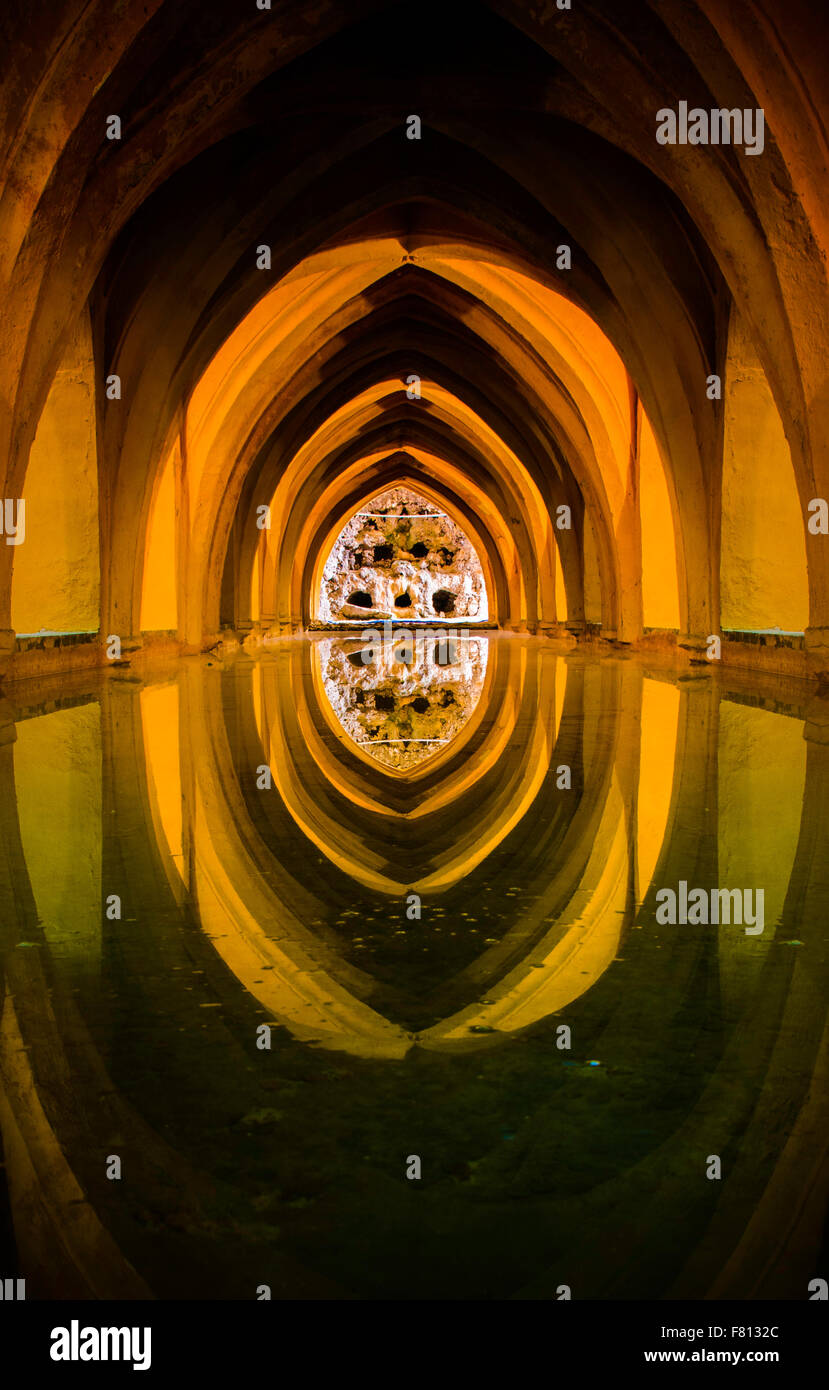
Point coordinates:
[[274, 1027]]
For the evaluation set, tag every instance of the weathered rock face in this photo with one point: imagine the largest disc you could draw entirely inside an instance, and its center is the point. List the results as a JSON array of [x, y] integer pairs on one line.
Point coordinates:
[[403, 701], [400, 558]]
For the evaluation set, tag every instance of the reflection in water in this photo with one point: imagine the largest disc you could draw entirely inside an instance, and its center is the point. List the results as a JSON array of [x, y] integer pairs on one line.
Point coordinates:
[[263, 969], [404, 699]]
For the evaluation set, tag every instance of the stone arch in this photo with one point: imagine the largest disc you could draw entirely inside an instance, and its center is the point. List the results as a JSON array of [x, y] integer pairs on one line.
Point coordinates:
[[79, 225]]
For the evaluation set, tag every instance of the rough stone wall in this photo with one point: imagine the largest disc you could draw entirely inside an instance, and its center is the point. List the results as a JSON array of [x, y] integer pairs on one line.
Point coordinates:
[[410, 700], [404, 560]]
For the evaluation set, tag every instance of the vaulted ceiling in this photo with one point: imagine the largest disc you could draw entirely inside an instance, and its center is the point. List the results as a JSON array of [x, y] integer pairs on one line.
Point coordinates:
[[441, 257]]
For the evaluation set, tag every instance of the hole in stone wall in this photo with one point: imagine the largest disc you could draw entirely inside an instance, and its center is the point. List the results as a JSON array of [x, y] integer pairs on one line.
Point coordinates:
[[443, 601], [403, 601], [360, 599], [383, 552], [419, 550]]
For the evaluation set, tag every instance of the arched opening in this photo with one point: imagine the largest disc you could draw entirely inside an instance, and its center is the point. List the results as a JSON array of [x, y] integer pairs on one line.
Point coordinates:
[[412, 560]]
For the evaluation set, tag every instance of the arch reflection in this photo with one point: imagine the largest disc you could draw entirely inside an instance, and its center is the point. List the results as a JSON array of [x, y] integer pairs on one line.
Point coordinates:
[[537, 841], [404, 699]]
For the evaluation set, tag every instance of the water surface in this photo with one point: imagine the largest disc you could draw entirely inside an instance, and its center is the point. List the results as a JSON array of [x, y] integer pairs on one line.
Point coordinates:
[[329, 962]]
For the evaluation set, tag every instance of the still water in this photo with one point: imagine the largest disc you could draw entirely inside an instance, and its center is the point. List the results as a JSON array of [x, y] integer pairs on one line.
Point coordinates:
[[282, 931]]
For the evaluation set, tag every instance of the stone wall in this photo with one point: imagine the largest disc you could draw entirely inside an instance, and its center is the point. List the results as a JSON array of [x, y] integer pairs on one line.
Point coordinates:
[[400, 558]]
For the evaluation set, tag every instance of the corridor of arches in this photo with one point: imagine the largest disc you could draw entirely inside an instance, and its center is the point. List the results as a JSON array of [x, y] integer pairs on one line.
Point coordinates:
[[415, 562], [261, 296]]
